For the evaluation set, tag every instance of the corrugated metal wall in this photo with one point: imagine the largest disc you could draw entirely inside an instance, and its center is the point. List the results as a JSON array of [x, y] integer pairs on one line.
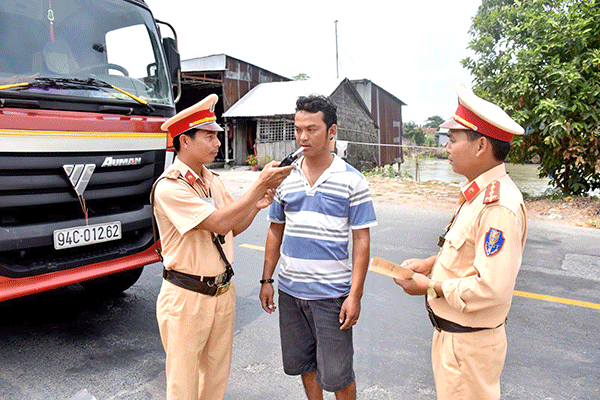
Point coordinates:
[[387, 114], [241, 77], [386, 111]]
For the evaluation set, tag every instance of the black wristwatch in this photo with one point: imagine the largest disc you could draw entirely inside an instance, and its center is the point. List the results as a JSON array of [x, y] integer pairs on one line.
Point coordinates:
[[266, 281]]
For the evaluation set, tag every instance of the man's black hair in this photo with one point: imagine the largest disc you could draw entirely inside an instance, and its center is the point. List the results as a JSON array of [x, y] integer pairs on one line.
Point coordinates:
[[499, 148], [190, 132], [315, 103]]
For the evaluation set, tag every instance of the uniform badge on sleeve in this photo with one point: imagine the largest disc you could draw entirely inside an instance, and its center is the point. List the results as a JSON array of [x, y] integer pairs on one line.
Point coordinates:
[[494, 240]]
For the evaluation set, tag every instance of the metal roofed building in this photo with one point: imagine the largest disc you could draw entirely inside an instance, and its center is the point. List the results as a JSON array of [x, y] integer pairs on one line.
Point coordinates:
[[227, 77], [269, 110], [387, 113]]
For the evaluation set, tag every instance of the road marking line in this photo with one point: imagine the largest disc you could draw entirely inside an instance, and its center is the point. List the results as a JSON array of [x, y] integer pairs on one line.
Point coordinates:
[[252, 247], [557, 299], [543, 297]]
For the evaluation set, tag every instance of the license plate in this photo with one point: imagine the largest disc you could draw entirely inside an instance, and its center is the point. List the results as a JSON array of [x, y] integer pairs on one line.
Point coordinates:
[[86, 235]]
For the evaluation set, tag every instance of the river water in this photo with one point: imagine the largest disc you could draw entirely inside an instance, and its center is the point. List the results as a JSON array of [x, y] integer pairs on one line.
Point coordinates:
[[524, 175]]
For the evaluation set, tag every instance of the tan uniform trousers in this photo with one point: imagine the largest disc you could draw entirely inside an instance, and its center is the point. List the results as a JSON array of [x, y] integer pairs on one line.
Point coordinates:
[[197, 334], [467, 366]]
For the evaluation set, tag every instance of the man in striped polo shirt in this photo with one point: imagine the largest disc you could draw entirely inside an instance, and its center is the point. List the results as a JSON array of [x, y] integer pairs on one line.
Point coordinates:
[[314, 210]]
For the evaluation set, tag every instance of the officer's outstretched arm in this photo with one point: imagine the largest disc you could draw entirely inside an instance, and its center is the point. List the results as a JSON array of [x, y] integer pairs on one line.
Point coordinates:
[[242, 211], [262, 203]]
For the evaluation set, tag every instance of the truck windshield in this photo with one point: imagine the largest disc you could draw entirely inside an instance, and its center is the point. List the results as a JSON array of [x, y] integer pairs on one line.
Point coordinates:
[[112, 41]]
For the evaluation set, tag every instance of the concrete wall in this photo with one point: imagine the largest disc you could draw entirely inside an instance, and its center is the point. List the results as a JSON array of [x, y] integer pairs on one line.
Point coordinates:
[[355, 125]]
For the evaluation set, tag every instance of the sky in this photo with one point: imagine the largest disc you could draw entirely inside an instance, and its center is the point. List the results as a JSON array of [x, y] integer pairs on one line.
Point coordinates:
[[412, 49]]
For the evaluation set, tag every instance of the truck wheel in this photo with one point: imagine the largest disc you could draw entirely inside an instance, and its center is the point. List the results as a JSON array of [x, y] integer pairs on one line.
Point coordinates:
[[113, 284]]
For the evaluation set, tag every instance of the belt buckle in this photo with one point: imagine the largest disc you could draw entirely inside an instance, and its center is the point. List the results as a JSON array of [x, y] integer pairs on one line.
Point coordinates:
[[219, 279], [222, 289]]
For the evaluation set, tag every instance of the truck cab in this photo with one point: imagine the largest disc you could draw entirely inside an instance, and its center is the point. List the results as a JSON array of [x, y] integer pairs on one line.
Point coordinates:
[[84, 88]]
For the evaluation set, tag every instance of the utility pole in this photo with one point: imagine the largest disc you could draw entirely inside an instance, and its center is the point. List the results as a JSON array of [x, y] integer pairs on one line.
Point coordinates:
[[337, 70]]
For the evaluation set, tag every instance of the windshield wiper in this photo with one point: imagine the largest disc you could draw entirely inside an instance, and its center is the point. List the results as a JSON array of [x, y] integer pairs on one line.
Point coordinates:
[[14, 85], [49, 83], [99, 83], [73, 83]]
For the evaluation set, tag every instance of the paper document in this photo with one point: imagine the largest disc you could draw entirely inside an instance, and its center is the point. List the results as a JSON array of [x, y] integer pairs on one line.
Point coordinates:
[[390, 269]]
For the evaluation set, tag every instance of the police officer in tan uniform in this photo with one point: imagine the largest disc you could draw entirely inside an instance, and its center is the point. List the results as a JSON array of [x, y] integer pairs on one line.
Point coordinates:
[[473, 276], [197, 219]]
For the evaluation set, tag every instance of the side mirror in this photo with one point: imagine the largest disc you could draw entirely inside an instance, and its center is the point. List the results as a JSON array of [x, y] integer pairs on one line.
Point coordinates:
[[173, 58]]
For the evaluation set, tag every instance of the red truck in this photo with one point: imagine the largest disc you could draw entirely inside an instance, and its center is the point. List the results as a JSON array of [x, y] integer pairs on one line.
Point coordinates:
[[84, 88]]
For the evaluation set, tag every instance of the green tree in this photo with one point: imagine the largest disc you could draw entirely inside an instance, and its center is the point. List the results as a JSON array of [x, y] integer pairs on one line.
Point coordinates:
[[414, 132], [301, 77], [540, 61], [434, 121], [420, 137], [431, 141]]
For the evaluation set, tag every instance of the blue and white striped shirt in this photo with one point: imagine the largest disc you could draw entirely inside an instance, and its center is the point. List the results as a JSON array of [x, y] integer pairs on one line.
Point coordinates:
[[314, 250]]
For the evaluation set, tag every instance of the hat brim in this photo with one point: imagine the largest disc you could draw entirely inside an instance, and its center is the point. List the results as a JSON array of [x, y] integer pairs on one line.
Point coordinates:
[[209, 126], [452, 124]]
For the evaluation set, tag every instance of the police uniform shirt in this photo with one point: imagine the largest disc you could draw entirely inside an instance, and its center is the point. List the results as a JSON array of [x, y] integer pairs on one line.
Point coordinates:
[[179, 208], [481, 256]]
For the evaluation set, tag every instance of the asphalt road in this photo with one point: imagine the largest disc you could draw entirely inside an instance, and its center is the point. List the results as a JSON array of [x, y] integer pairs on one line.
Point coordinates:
[[56, 344]]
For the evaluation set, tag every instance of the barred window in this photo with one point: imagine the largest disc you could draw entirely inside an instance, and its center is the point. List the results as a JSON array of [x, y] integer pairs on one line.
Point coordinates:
[[270, 130]]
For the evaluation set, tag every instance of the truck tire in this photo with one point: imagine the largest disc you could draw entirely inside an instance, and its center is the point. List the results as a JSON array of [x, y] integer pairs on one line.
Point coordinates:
[[111, 285]]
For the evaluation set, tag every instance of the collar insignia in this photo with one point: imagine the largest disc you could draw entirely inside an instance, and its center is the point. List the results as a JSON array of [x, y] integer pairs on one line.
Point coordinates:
[[471, 191], [190, 177]]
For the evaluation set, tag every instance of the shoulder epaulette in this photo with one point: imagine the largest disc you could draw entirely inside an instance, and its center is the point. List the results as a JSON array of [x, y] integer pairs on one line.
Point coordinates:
[[492, 193], [173, 174]]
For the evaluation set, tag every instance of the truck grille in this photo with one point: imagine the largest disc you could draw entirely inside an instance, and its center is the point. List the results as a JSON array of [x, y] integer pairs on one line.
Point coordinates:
[[36, 198]]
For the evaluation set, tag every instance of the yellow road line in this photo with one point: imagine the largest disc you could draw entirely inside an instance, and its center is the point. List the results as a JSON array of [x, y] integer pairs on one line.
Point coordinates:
[[557, 300], [252, 247], [528, 295]]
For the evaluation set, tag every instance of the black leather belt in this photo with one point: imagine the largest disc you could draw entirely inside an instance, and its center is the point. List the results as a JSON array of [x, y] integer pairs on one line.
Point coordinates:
[[442, 324], [210, 285]]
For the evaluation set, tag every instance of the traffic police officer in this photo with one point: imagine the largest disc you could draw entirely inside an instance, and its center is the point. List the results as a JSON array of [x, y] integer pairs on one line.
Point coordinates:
[[473, 276], [197, 218]]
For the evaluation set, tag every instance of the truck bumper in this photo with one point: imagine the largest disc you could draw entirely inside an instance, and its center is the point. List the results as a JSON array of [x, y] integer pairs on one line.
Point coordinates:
[[11, 288]]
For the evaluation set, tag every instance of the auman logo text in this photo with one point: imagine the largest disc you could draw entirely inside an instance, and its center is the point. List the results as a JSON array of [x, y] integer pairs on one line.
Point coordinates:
[[119, 162]]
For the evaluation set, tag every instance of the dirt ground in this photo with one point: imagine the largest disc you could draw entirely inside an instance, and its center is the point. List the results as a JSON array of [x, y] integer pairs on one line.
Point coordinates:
[[584, 212]]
